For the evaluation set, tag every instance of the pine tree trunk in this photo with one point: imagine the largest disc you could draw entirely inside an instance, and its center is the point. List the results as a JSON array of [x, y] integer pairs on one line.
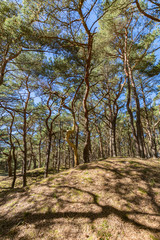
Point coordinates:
[[25, 150], [100, 142], [151, 133], [48, 154], [25, 136], [39, 154], [113, 136], [15, 167], [9, 161], [87, 145]]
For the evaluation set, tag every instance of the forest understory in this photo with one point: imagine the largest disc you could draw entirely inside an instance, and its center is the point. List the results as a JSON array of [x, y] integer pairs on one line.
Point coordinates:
[[112, 199]]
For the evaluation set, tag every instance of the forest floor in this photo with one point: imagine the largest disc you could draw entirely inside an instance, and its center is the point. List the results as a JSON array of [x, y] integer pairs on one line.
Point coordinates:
[[112, 199]]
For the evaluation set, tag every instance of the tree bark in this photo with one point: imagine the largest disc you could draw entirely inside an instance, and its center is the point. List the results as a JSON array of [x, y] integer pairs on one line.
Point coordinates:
[[138, 131], [48, 154], [151, 134], [113, 136], [100, 141], [9, 161], [25, 135], [25, 149], [15, 167], [87, 144]]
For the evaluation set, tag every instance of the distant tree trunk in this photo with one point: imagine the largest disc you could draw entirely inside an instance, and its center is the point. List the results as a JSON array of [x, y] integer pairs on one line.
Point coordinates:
[[59, 155], [77, 140], [73, 163], [71, 144], [25, 150], [113, 136], [112, 118], [129, 93], [34, 162], [30, 156], [132, 119], [110, 142], [100, 141], [12, 149], [119, 147], [39, 154], [15, 167], [70, 157], [29, 162], [154, 145], [9, 161], [39, 146], [53, 157], [33, 155], [107, 143], [25, 134], [140, 136], [56, 159], [65, 158], [48, 154], [49, 124], [131, 152], [151, 134]]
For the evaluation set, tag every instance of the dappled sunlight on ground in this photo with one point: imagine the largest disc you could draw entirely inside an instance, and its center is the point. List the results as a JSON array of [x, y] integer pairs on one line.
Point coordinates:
[[112, 199]]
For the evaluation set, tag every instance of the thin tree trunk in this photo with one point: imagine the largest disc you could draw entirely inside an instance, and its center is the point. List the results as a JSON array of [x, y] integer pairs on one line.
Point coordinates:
[[15, 167], [140, 136], [25, 150], [113, 136], [39, 154], [110, 142], [87, 144], [100, 142], [48, 154], [69, 159], [59, 156], [9, 161], [128, 74], [25, 135], [151, 134]]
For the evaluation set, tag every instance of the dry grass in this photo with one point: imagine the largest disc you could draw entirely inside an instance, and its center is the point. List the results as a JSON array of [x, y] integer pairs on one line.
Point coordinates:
[[115, 199]]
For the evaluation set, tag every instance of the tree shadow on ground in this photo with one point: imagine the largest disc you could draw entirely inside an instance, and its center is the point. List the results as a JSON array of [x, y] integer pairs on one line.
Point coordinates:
[[134, 186]]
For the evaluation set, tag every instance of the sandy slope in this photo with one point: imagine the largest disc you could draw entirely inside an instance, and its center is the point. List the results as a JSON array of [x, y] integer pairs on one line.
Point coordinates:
[[113, 199]]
